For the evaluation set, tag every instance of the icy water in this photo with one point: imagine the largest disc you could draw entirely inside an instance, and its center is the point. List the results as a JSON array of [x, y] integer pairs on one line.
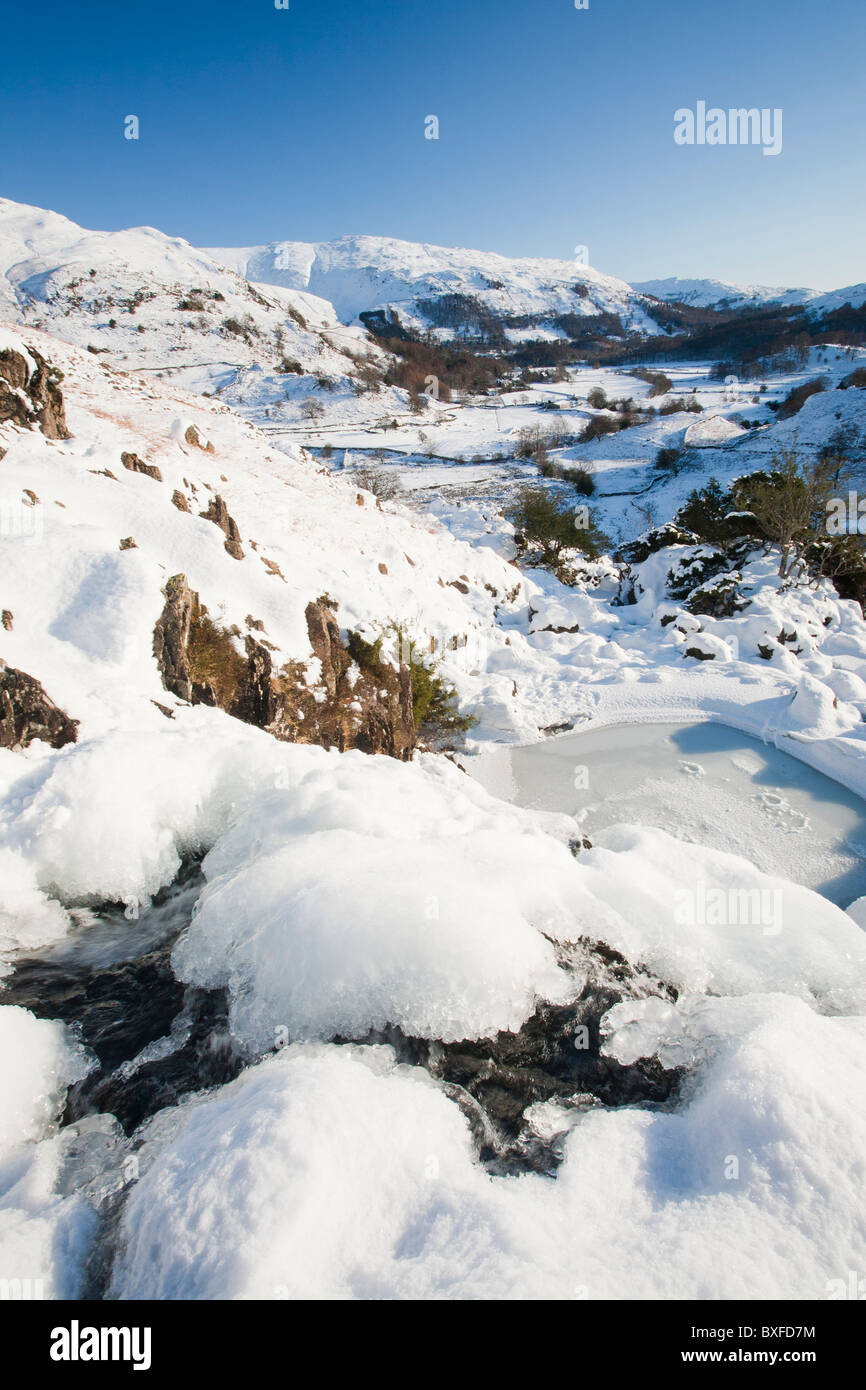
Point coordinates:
[[705, 783]]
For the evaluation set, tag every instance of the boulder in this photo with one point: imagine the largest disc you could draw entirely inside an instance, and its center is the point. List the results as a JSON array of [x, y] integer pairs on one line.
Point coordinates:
[[26, 713]]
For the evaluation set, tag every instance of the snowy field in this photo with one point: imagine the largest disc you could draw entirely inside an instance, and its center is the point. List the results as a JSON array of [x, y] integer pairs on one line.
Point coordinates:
[[283, 1016]]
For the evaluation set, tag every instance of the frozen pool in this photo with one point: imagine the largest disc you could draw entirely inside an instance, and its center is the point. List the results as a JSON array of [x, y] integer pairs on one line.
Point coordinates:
[[701, 782]]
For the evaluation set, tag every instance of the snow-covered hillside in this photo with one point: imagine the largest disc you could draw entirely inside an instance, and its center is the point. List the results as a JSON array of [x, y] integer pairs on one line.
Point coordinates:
[[361, 273], [154, 303], [304, 1000], [722, 293]]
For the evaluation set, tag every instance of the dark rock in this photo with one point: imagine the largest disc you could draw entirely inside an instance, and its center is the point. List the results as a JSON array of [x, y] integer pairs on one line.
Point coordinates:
[[119, 1008], [7, 619], [218, 513], [193, 438], [178, 500], [700, 655], [128, 543], [137, 465], [370, 710], [30, 397], [171, 636], [26, 713], [556, 1055]]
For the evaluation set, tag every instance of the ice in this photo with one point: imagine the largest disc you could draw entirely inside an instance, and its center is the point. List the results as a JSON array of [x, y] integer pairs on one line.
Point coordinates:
[[43, 1236], [706, 920], [705, 783], [377, 892], [332, 1173], [28, 920], [112, 817]]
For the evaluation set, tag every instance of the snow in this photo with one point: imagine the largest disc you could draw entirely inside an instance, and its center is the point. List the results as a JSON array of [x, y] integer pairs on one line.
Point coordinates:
[[43, 1236], [714, 429], [346, 894], [359, 273], [367, 895], [722, 293], [710, 921], [333, 1173]]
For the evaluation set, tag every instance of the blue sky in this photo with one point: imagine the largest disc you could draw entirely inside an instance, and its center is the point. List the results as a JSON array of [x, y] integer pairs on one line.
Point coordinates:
[[556, 126]]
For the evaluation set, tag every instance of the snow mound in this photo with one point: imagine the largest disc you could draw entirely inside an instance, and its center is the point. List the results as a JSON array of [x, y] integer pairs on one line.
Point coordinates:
[[706, 920], [377, 892], [332, 1173], [112, 818], [711, 431], [43, 1236]]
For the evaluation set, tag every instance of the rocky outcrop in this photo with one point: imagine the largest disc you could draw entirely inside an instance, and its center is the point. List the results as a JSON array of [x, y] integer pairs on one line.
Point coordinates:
[[171, 636], [30, 393], [218, 513], [357, 702], [193, 438], [368, 705], [26, 713], [137, 465]]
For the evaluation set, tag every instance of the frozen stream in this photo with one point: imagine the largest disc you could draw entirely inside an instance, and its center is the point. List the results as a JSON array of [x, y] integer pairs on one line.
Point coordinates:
[[705, 783]]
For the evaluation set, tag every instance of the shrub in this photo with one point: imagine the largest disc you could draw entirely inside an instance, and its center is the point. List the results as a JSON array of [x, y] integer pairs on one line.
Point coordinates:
[[856, 378], [659, 383], [707, 513], [796, 399], [549, 525], [215, 664], [580, 478], [669, 458], [434, 702], [380, 481], [598, 426], [789, 505]]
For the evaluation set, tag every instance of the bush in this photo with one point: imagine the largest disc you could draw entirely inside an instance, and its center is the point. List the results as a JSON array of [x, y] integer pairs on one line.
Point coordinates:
[[678, 404], [796, 399], [669, 458], [434, 702], [707, 512], [549, 525], [580, 478], [383, 484], [857, 378], [659, 383], [789, 505], [597, 427]]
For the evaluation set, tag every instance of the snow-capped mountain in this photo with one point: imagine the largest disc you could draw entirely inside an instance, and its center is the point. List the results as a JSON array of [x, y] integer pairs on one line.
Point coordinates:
[[721, 294], [151, 302], [358, 274], [712, 294], [290, 1020]]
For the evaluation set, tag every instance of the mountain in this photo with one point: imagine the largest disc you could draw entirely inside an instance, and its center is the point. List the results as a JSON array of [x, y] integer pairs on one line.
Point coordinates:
[[361, 274], [721, 294], [153, 302]]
